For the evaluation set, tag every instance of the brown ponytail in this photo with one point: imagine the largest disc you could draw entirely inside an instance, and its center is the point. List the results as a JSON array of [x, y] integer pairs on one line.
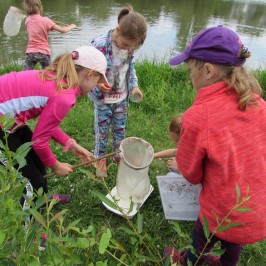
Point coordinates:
[[125, 11]]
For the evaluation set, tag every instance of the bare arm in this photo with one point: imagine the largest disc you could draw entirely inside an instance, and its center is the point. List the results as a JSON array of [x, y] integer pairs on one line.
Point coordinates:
[[165, 153], [64, 29]]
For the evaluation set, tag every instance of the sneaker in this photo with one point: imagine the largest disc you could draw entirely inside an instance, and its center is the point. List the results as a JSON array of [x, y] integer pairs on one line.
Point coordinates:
[[42, 246], [101, 169], [174, 255], [117, 160], [62, 198]]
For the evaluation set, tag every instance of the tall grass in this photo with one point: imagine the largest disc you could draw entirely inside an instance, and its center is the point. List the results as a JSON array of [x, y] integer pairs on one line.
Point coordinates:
[[167, 91]]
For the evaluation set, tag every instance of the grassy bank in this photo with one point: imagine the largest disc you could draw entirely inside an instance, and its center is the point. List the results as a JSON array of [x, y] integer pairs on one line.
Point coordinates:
[[167, 91]]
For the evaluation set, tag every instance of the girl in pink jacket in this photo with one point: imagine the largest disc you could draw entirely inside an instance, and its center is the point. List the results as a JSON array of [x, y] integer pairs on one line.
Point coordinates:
[[49, 95]]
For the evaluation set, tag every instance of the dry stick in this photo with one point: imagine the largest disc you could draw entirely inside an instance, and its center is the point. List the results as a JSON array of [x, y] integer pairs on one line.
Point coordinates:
[[89, 162]]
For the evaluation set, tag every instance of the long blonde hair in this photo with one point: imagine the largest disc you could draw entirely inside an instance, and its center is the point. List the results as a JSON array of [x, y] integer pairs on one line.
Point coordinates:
[[32, 7], [238, 79], [64, 71]]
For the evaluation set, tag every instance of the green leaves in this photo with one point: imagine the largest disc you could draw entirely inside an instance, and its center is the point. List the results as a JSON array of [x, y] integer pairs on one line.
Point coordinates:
[[229, 225], [205, 227], [21, 153], [2, 236], [38, 217], [105, 240], [104, 199], [139, 222]]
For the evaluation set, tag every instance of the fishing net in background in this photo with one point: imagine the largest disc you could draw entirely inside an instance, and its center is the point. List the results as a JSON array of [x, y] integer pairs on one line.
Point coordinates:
[[12, 21]]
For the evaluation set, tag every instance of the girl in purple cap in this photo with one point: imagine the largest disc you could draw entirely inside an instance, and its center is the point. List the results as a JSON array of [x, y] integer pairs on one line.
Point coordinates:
[[49, 95], [222, 146]]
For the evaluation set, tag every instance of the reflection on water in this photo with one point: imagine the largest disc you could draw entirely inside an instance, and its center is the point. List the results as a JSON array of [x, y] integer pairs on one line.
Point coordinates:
[[171, 24]]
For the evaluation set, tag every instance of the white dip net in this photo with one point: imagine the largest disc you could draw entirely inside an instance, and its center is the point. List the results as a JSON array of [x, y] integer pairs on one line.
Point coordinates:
[[132, 180], [12, 21]]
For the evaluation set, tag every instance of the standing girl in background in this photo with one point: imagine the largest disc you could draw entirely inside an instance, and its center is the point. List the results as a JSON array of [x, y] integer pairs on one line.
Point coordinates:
[[222, 144], [49, 94], [110, 104], [38, 27]]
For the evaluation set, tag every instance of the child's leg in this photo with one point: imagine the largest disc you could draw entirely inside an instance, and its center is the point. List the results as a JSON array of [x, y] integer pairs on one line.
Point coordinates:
[[102, 118], [119, 124], [34, 170], [199, 241], [43, 59], [232, 253], [30, 61]]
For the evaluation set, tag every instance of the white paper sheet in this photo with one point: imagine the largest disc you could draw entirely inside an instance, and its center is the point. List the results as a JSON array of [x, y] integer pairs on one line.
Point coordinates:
[[180, 199]]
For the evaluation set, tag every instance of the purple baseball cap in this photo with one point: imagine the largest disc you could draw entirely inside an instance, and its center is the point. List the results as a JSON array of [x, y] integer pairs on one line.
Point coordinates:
[[218, 45]]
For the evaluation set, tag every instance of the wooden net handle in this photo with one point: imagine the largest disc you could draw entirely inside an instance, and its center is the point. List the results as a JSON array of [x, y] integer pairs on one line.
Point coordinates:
[[86, 163]]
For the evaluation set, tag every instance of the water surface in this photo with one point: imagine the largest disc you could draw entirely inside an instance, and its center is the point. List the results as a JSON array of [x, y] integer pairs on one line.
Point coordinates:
[[171, 25]]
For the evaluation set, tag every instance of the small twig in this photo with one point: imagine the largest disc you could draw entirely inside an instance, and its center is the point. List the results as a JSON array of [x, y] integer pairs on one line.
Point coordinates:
[[86, 163]]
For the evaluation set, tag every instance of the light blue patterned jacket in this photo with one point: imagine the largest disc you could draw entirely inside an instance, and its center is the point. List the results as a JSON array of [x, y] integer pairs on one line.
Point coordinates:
[[104, 44]]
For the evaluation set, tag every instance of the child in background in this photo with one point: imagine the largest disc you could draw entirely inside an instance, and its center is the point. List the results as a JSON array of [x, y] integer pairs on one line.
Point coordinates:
[[110, 104], [174, 130], [38, 27], [222, 144], [49, 94]]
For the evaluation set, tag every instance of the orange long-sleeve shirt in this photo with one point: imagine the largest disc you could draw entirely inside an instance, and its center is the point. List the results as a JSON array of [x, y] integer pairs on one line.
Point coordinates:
[[221, 146]]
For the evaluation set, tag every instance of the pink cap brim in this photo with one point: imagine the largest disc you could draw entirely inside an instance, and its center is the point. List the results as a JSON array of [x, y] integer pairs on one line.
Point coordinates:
[[103, 79]]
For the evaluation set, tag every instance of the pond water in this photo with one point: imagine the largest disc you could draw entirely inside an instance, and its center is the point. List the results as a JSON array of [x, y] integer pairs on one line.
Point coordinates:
[[171, 25]]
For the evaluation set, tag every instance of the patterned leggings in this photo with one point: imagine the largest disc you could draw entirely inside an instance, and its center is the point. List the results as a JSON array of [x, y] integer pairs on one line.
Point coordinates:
[[105, 115], [230, 256], [33, 58]]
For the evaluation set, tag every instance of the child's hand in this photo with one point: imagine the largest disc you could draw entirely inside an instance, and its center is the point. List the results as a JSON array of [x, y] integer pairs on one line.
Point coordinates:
[[62, 168], [136, 95], [105, 88], [73, 26], [172, 164], [83, 154]]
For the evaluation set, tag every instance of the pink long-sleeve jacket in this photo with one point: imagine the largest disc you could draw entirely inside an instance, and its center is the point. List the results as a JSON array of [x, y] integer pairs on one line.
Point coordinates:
[[24, 96]]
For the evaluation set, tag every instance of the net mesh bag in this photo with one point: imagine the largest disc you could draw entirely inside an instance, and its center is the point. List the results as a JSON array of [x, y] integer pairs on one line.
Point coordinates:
[[136, 153], [12, 21]]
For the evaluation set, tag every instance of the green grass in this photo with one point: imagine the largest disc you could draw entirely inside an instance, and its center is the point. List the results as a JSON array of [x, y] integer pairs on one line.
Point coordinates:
[[166, 91]]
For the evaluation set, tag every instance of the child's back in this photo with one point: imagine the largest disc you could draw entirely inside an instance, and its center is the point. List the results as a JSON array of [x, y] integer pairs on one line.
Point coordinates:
[[38, 27]]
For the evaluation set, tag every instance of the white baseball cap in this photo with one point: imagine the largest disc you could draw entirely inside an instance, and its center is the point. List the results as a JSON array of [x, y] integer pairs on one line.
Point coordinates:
[[92, 58]]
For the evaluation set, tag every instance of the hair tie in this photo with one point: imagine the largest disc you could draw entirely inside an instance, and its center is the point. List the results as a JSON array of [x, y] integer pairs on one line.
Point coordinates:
[[73, 55], [245, 49]]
